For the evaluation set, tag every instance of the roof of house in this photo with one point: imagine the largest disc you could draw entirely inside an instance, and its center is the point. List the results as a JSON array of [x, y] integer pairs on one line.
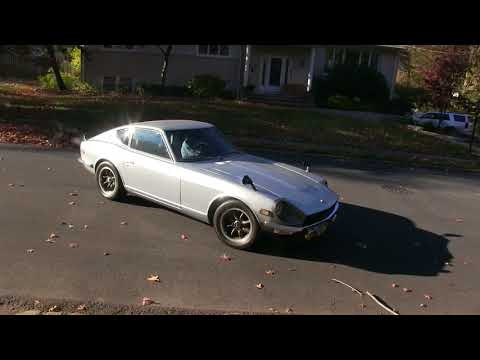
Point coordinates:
[[175, 124]]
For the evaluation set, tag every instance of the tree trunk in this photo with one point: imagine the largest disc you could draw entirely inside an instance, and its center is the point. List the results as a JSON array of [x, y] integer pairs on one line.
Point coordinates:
[[55, 67], [472, 140], [166, 57]]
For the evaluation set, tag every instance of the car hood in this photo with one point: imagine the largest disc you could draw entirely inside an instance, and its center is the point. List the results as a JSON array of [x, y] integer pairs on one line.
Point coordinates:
[[304, 190]]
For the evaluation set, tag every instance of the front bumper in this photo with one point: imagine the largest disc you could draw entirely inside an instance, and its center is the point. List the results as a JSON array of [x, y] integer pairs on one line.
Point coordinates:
[[310, 231], [88, 167]]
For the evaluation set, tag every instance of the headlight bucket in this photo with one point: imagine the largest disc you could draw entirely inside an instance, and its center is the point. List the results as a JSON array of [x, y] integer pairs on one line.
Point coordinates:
[[288, 213]]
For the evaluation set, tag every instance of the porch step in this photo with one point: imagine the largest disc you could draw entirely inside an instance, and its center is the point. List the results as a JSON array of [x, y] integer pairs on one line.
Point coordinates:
[[283, 100]]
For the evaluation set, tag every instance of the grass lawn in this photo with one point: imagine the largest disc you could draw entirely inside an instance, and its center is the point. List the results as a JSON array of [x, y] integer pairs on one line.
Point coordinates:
[[249, 124]]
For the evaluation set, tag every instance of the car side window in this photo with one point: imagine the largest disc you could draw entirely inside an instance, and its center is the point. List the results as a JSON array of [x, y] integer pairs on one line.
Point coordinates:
[[149, 141], [123, 135], [459, 118], [427, 116]]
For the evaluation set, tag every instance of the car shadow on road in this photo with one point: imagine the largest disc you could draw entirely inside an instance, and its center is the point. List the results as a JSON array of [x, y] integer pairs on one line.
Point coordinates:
[[368, 239]]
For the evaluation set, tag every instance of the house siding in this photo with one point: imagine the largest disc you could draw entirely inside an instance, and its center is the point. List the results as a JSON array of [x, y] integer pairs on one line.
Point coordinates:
[[144, 65]]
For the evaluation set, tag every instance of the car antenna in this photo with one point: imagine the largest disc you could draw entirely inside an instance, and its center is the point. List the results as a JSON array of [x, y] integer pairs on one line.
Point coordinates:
[[247, 181]]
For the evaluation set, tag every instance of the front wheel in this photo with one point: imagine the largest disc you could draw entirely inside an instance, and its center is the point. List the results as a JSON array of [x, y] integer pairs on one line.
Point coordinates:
[[236, 225], [109, 182]]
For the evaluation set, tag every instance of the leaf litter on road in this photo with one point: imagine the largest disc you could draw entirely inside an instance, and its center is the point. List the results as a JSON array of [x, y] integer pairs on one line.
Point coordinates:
[[270, 272], [154, 278], [54, 308], [30, 251], [225, 257], [72, 203], [184, 237], [53, 236], [147, 301], [82, 307], [73, 245], [259, 286], [124, 223]]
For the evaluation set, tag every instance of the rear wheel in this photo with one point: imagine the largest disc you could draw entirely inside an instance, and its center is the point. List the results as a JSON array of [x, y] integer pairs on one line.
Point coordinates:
[[236, 225], [109, 182]]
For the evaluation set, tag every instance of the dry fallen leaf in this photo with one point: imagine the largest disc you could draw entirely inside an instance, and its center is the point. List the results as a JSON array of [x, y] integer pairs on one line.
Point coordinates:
[[429, 297], [289, 310], [54, 308], [394, 285], [72, 203], [106, 253], [225, 257], [73, 194], [11, 185], [36, 302], [50, 241], [123, 223], [407, 290], [184, 237], [85, 227], [73, 245], [260, 286], [30, 251], [49, 169], [82, 307], [155, 278], [64, 223], [147, 301], [423, 305], [270, 272], [53, 236], [71, 226]]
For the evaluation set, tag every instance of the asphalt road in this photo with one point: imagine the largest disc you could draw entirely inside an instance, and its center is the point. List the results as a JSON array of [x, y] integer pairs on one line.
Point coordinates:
[[395, 226]]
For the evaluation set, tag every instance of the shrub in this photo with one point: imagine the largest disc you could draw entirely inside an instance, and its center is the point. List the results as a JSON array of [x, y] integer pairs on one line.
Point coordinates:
[[206, 86], [72, 82], [340, 102], [350, 81]]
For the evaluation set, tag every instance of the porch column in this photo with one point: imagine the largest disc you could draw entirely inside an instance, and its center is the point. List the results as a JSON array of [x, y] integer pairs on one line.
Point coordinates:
[[310, 72], [246, 70]]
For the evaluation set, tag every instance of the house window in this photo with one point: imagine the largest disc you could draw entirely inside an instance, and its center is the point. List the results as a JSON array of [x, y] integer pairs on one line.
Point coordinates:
[[109, 83], [214, 50], [335, 56]]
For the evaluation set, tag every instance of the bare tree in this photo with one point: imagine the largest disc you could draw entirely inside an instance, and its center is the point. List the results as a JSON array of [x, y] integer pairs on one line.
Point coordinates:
[[166, 57]]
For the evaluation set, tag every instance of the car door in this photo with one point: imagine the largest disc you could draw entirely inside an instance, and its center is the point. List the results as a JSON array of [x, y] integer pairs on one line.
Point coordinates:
[[149, 169]]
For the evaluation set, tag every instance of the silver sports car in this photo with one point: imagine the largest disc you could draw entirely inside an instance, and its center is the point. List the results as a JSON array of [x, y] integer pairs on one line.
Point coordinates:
[[189, 166]]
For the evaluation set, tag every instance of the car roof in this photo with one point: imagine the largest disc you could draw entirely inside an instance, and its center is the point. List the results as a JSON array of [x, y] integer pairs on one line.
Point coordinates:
[[174, 124]]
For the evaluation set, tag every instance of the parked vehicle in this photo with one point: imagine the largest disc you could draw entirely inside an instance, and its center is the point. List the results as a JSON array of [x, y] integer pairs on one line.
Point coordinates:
[[190, 167], [448, 121]]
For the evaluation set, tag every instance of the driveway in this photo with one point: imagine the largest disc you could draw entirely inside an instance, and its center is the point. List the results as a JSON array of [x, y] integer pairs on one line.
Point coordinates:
[[418, 229]]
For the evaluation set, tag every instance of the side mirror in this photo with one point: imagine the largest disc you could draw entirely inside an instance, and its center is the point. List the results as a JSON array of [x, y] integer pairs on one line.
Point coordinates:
[[247, 181]]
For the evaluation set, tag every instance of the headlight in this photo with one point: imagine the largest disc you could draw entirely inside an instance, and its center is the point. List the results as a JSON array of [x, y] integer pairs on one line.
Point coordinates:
[[288, 213]]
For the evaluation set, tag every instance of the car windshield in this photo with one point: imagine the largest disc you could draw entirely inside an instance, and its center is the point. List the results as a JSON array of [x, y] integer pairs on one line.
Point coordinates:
[[198, 144]]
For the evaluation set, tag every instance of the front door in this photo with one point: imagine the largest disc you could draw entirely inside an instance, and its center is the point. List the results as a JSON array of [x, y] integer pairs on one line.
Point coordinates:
[[275, 72], [149, 169]]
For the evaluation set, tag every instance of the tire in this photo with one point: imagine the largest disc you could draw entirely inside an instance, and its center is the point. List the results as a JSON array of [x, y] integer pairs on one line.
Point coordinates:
[[231, 231], [115, 192]]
